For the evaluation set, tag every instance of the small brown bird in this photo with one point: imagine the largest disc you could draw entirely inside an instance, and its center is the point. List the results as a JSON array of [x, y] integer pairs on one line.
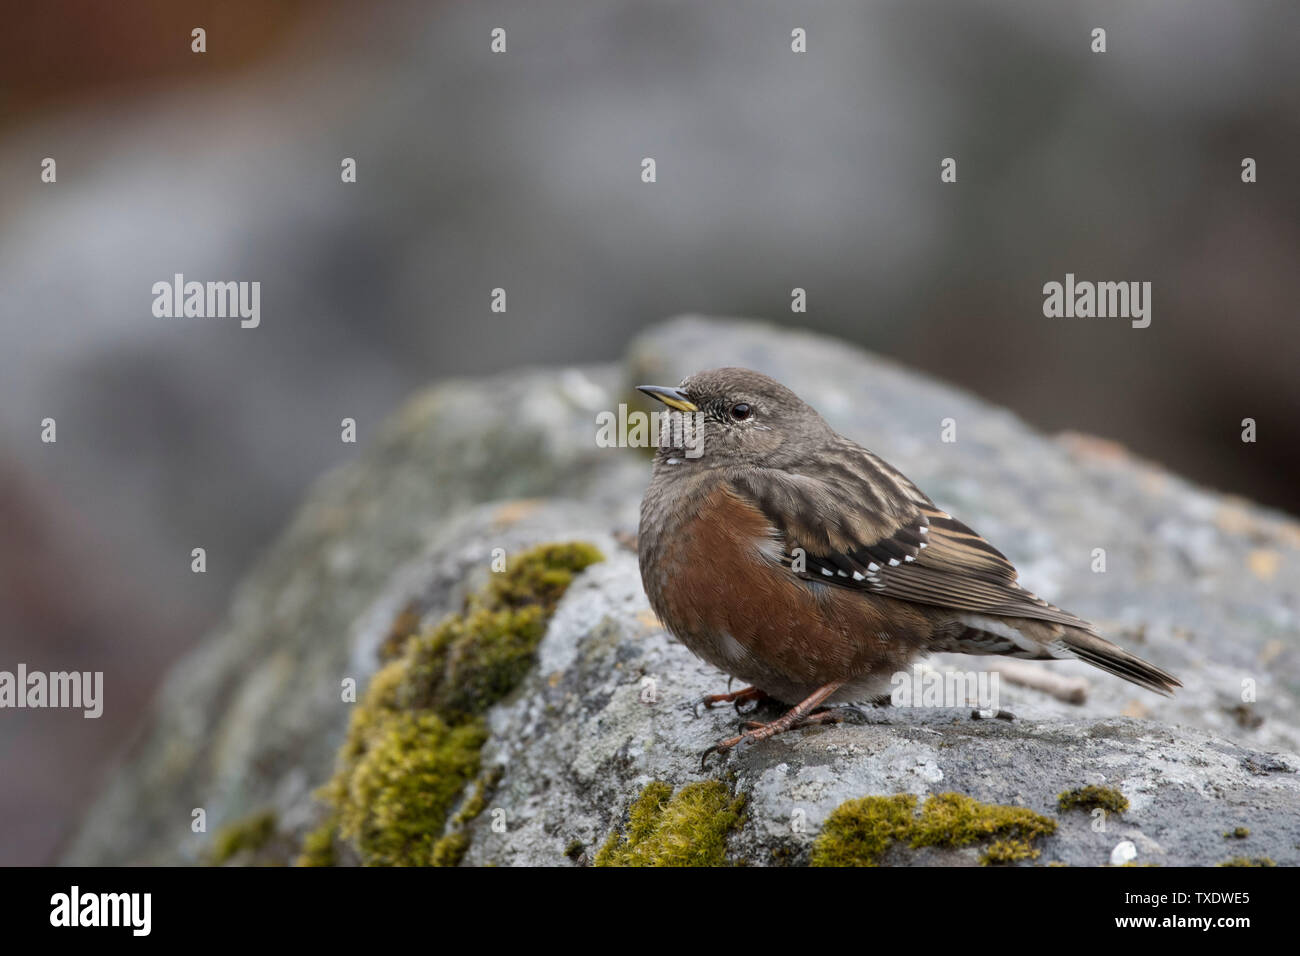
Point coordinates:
[[799, 562]]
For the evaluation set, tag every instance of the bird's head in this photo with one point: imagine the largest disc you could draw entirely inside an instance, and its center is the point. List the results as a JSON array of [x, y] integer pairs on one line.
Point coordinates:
[[735, 416]]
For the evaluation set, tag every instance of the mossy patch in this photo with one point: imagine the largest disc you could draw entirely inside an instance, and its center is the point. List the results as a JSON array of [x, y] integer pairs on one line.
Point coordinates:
[[1249, 861], [397, 796], [1092, 797], [858, 832], [250, 833], [449, 850], [414, 740], [686, 829], [318, 847], [1240, 833], [1007, 851]]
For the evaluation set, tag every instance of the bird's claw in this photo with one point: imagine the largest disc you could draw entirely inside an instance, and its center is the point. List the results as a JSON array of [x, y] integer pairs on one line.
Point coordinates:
[[709, 701], [724, 747]]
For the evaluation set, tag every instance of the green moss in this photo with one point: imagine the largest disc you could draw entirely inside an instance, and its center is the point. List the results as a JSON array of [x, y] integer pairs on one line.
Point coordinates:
[[318, 845], [477, 801], [542, 575], [1007, 851], [413, 742], [858, 832], [689, 829], [469, 663], [1240, 833], [249, 833], [398, 794], [473, 659], [574, 849], [953, 819], [449, 850], [1249, 861], [1092, 797]]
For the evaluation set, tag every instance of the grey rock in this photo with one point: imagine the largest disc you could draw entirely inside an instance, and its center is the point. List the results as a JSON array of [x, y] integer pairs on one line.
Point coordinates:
[[604, 715], [1200, 584]]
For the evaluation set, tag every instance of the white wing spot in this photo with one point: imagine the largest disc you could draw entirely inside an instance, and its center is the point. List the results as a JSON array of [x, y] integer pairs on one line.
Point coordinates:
[[893, 562], [769, 547], [731, 648], [857, 576]]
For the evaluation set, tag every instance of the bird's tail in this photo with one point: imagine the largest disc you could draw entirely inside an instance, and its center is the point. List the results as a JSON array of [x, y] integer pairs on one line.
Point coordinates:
[[1112, 658]]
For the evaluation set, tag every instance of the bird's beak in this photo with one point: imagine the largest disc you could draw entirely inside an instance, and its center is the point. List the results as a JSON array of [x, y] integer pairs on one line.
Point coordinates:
[[672, 397]]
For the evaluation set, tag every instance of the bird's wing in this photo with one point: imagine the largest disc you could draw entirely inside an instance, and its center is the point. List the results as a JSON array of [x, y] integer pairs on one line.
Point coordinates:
[[853, 512], [858, 523]]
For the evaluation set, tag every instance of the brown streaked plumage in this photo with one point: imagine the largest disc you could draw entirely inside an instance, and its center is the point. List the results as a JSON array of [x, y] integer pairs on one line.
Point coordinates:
[[801, 563]]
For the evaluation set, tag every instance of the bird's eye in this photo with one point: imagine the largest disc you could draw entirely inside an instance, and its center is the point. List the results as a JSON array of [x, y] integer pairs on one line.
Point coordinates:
[[741, 412]]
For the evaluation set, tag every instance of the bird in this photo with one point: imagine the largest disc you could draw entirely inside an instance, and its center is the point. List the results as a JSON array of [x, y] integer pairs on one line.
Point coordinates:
[[795, 560]]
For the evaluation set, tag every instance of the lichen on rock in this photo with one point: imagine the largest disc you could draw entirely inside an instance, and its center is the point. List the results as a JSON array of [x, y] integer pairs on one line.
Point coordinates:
[[414, 741]]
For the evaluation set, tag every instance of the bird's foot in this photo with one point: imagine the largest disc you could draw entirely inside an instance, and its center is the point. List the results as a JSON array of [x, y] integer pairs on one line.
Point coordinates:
[[709, 701], [737, 743], [800, 715], [836, 716]]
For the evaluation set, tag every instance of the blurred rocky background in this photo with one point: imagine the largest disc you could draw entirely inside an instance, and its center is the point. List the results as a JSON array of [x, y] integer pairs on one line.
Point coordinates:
[[775, 170]]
